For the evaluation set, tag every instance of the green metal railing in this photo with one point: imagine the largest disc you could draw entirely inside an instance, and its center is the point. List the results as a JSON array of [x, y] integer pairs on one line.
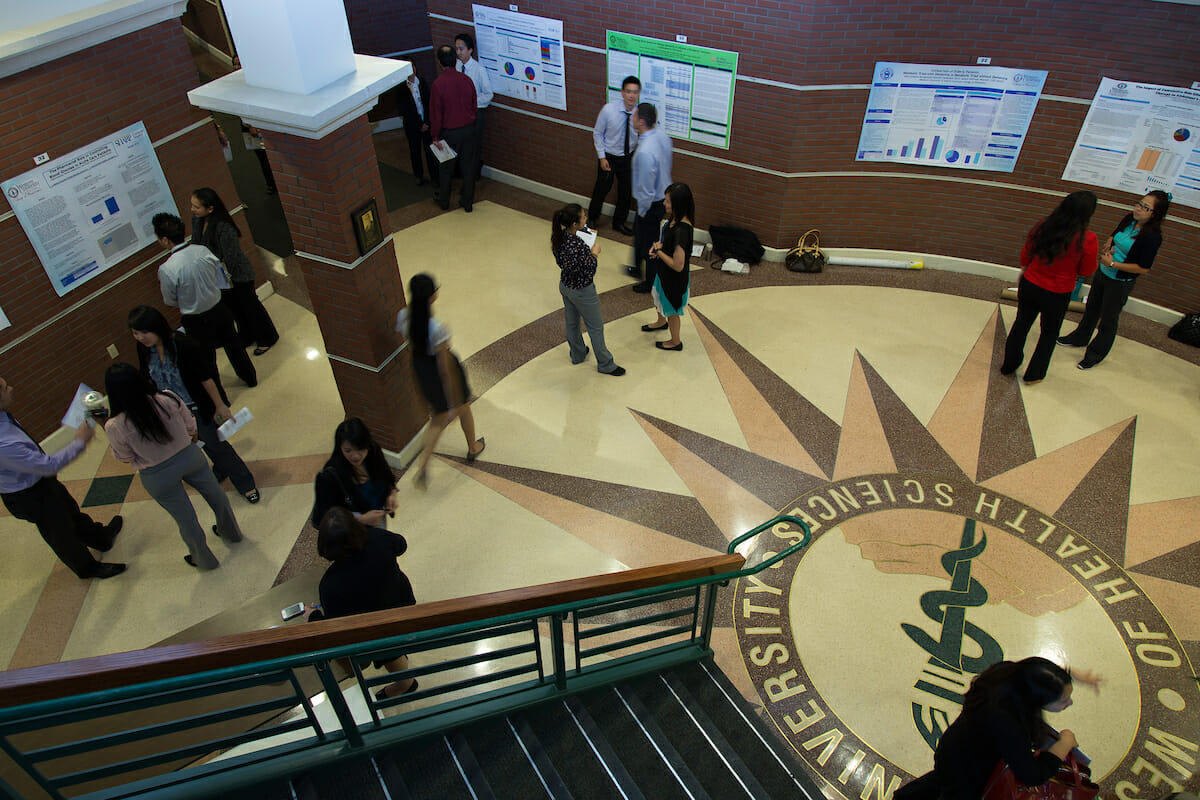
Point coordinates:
[[58, 744]]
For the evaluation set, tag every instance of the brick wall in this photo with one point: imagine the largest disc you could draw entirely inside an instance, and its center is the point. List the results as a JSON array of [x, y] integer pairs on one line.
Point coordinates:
[[56, 108], [787, 131]]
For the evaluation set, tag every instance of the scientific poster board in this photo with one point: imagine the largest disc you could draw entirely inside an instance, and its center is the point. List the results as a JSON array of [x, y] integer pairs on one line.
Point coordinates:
[[523, 55], [691, 86], [1138, 137], [88, 210], [959, 117]]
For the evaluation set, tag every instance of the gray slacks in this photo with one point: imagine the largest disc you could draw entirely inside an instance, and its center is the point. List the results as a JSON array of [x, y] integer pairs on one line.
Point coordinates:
[[164, 482]]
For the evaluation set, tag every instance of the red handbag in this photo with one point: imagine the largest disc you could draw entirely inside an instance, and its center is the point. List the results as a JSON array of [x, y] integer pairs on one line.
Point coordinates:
[[1073, 781]]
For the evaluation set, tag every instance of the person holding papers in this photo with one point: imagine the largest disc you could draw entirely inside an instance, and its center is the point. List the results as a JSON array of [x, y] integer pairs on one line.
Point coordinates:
[[452, 123], [577, 264], [1127, 253], [177, 362], [153, 431], [31, 491]]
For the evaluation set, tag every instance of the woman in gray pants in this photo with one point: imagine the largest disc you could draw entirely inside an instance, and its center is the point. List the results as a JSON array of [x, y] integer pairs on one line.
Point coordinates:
[[154, 432]]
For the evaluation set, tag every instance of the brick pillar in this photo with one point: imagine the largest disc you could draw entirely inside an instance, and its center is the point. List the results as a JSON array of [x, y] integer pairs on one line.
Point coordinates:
[[321, 181]]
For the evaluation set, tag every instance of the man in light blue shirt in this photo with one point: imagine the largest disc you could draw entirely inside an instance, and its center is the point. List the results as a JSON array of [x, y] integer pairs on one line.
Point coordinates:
[[31, 491], [651, 177], [468, 64], [615, 141]]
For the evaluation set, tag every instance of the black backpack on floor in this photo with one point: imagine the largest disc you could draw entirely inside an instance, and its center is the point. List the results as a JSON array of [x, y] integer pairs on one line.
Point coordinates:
[[1187, 330]]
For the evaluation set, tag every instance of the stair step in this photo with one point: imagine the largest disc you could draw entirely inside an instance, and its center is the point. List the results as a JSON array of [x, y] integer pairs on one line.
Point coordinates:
[[747, 735], [660, 772], [353, 779], [425, 768], [573, 754], [504, 763], [690, 732]]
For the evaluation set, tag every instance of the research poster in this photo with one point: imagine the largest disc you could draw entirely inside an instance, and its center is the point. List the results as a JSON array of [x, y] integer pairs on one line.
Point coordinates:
[[1138, 137], [89, 209], [958, 117], [691, 86], [523, 55]]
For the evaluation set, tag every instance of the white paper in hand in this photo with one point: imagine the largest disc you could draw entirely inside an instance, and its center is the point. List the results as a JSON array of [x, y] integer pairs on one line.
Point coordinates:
[[588, 236], [77, 413], [231, 426], [443, 153]]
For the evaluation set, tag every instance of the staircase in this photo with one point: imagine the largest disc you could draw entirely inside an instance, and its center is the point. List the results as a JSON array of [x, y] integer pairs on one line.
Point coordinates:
[[682, 733]]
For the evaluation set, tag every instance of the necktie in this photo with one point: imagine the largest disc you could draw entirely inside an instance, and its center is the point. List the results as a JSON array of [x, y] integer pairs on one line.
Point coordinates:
[[627, 120], [17, 425]]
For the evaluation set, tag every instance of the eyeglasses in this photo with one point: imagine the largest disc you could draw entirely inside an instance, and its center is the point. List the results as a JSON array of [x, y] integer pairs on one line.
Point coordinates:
[[1144, 207]]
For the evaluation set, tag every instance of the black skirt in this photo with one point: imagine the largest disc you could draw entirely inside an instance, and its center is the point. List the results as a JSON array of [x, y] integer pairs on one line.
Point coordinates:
[[429, 379]]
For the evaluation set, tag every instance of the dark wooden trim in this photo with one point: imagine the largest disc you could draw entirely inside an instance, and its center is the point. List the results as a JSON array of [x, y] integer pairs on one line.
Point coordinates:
[[140, 666]]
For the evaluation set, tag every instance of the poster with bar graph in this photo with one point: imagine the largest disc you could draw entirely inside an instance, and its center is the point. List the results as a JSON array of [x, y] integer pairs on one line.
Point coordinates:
[[523, 55], [88, 209], [690, 86], [1138, 137], [957, 117]]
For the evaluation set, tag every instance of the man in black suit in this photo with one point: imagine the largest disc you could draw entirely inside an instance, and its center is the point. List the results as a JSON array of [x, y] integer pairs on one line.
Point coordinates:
[[412, 97]]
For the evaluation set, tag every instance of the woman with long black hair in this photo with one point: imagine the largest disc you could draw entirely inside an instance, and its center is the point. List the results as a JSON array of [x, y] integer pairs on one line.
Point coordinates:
[[1127, 253], [673, 254], [1002, 720], [1059, 250], [577, 272], [178, 362], [356, 477], [440, 375], [153, 431], [213, 227]]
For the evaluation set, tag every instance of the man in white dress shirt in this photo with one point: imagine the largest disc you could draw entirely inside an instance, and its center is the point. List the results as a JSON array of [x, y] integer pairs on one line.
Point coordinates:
[[464, 50], [615, 140]]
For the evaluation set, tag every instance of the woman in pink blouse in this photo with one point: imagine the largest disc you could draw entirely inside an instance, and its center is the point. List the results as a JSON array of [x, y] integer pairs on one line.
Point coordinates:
[[154, 432]]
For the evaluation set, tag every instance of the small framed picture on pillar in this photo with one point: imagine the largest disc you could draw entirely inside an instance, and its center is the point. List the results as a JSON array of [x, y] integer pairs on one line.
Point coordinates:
[[367, 229]]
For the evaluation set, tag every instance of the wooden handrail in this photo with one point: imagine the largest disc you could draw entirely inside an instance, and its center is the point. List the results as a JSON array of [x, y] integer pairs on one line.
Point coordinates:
[[67, 678]]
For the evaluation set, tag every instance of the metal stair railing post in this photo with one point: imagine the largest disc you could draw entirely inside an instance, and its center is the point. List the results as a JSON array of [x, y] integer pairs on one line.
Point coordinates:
[[333, 693], [558, 649]]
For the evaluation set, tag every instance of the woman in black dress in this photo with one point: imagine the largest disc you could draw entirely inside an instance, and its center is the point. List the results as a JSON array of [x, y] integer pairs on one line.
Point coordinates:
[[439, 373], [356, 477], [363, 577], [213, 227], [670, 289]]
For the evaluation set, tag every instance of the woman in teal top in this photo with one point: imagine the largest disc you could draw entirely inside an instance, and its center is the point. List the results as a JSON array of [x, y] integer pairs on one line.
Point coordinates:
[[1129, 252]]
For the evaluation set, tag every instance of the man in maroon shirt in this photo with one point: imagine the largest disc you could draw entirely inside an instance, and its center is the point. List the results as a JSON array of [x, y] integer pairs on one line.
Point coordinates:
[[452, 121]]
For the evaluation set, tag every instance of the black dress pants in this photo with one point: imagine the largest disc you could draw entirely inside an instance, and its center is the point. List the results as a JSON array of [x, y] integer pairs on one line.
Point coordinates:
[[215, 328], [1032, 301], [418, 143], [1104, 303], [462, 142], [68, 531], [645, 233], [254, 325], [622, 172]]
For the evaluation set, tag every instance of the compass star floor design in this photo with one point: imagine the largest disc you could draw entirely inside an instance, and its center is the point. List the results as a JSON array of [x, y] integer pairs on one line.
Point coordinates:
[[787, 386]]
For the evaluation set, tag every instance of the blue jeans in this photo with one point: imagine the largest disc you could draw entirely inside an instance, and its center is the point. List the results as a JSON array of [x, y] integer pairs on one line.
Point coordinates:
[[585, 303]]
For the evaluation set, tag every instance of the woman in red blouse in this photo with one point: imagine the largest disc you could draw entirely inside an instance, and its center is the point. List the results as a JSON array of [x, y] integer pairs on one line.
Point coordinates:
[[1059, 249]]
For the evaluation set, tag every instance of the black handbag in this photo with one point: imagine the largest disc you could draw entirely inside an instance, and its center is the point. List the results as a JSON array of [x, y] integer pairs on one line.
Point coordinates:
[[806, 256], [1187, 330]]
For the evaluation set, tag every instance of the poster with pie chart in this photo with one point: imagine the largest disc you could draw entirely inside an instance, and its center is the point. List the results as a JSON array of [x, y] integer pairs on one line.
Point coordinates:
[[1138, 137], [523, 55]]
